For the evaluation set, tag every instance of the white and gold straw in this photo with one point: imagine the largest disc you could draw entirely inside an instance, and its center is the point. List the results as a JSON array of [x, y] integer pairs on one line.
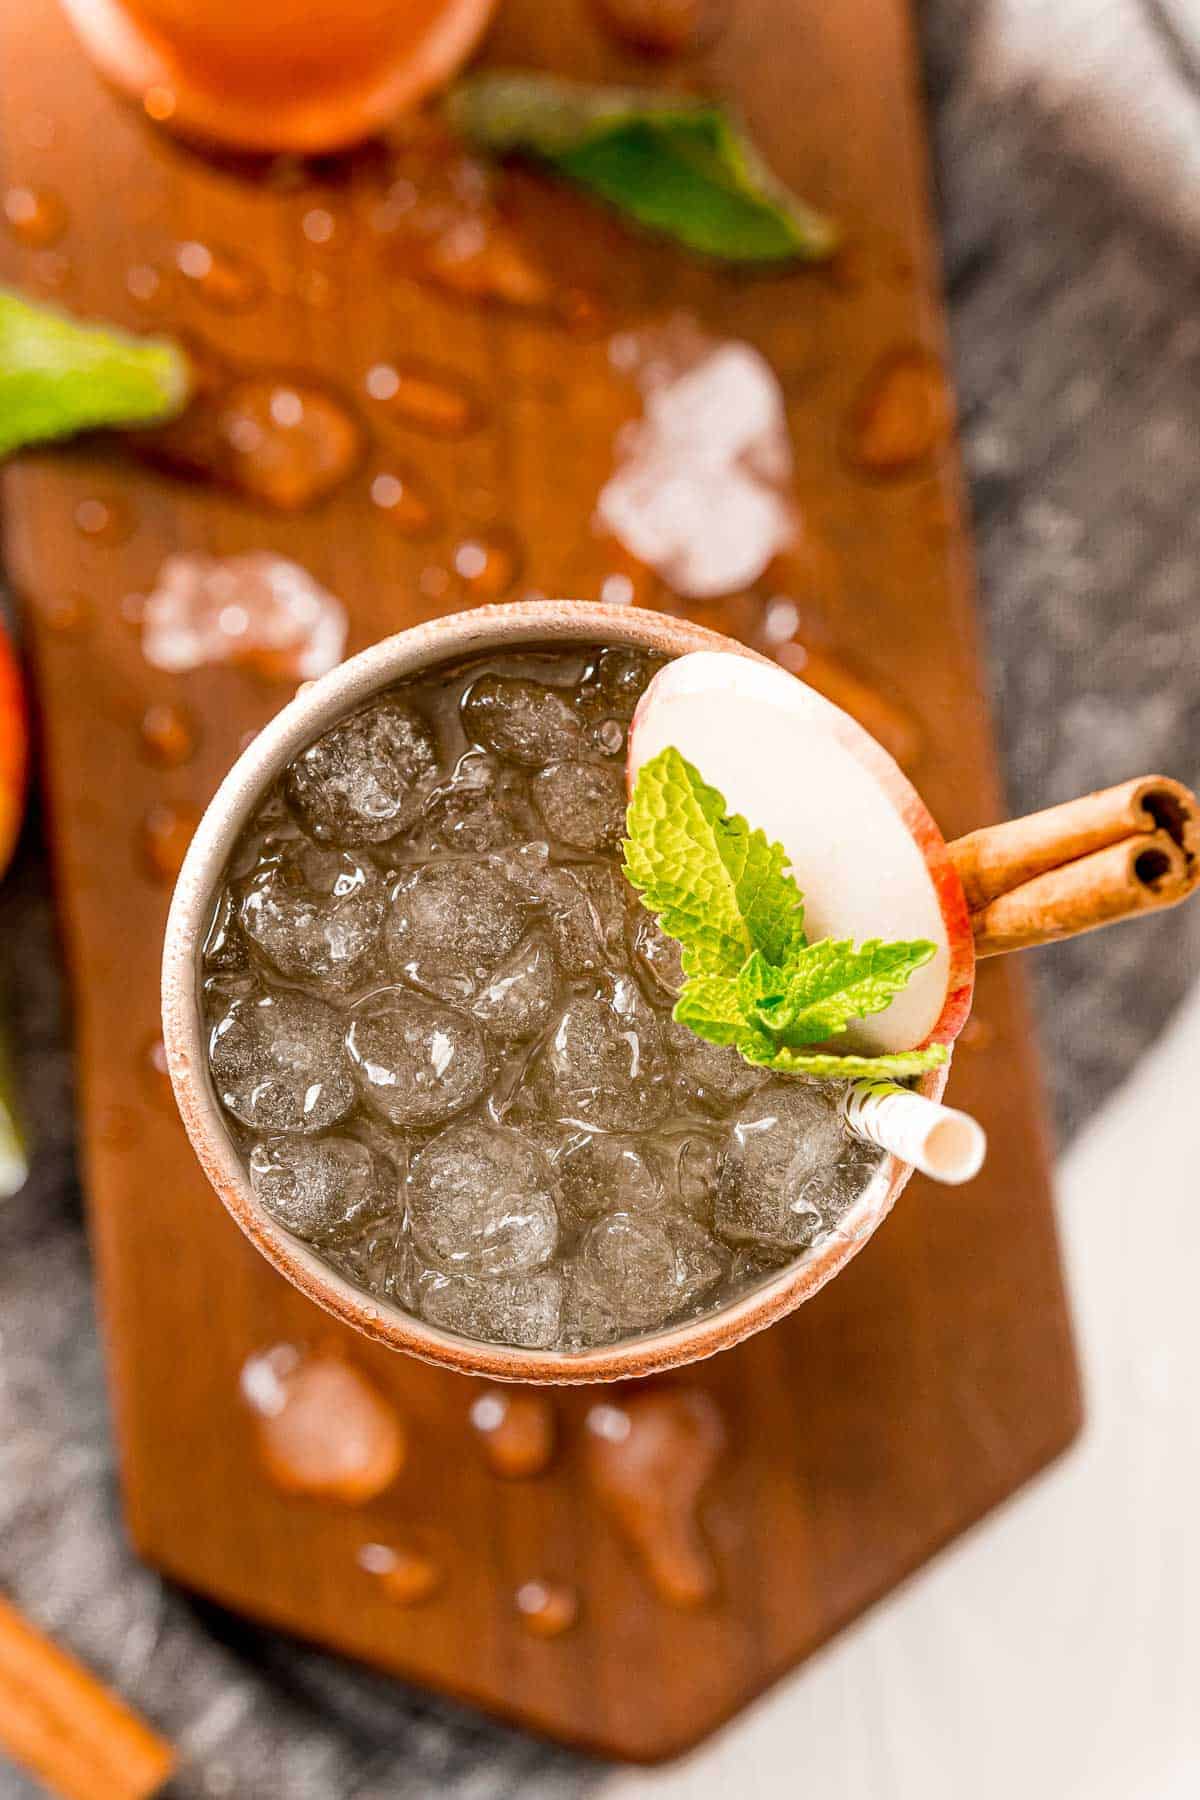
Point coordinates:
[[943, 1143]]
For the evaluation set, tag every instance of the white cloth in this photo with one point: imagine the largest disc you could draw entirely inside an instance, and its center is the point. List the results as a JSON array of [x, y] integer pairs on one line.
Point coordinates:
[[1121, 78]]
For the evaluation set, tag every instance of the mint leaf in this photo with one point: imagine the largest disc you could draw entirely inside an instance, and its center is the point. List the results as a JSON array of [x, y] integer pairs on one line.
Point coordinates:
[[714, 1007], [710, 1007], [898, 1063], [753, 979], [58, 376], [721, 889], [679, 166], [763, 984], [824, 986]]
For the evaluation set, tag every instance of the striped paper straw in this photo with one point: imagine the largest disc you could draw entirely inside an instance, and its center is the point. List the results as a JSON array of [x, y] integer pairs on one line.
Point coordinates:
[[948, 1145]]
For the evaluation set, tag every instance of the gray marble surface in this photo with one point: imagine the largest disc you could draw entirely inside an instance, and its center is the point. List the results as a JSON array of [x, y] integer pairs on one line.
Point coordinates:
[[1077, 346]]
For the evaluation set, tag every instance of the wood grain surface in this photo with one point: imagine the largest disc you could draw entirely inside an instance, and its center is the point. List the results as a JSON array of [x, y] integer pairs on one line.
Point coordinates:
[[933, 1377]]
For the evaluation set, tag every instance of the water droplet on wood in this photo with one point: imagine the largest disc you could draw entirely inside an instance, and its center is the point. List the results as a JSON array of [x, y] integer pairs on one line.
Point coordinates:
[[386, 210], [165, 835], [437, 209], [222, 278], [34, 216], [318, 225], [145, 284], [285, 444], [482, 259], [662, 27], [168, 735], [648, 1456], [901, 416], [431, 399], [154, 1070], [547, 1608], [617, 590], [977, 1034], [67, 615], [516, 1430], [159, 103], [401, 500], [323, 1428], [781, 621], [406, 1577], [488, 563], [103, 520]]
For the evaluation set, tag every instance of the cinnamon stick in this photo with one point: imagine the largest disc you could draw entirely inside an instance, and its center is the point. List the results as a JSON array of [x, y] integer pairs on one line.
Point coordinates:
[[1144, 872], [75, 1736], [999, 858]]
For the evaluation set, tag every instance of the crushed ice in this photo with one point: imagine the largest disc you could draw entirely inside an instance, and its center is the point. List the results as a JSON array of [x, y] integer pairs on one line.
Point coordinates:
[[700, 491], [258, 610]]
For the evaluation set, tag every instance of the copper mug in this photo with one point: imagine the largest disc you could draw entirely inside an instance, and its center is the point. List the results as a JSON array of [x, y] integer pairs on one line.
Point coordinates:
[[316, 707]]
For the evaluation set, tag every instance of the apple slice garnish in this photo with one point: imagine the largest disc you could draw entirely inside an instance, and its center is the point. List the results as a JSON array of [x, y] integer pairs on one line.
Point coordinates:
[[864, 850]]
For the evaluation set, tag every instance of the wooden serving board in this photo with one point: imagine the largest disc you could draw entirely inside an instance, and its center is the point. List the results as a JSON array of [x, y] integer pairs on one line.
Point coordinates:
[[936, 1375]]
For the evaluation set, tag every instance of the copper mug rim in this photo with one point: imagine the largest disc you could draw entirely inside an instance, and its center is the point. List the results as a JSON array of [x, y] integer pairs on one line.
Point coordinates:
[[315, 707]]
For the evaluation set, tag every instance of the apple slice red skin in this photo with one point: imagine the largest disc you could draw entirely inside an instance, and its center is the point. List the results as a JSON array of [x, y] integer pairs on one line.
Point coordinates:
[[912, 810], [14, 748]]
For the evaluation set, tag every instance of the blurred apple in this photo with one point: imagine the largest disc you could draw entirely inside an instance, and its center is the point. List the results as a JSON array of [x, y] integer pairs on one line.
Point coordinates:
[[14, 748], [14, 759], [278, 75]]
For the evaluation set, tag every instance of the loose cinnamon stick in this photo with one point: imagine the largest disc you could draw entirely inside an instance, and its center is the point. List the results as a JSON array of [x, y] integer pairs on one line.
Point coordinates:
[[1000, 858], [1141, 874], [75, 1736]]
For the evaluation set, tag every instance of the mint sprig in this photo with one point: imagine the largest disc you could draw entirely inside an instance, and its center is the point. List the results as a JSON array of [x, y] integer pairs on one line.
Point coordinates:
[[721, 889], [725, 892], [680, 166], [58, 376]]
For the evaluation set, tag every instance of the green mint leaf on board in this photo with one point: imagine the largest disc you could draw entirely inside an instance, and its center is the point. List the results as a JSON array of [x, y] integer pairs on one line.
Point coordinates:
[[679, 166], [721, 889], [58, 376]]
